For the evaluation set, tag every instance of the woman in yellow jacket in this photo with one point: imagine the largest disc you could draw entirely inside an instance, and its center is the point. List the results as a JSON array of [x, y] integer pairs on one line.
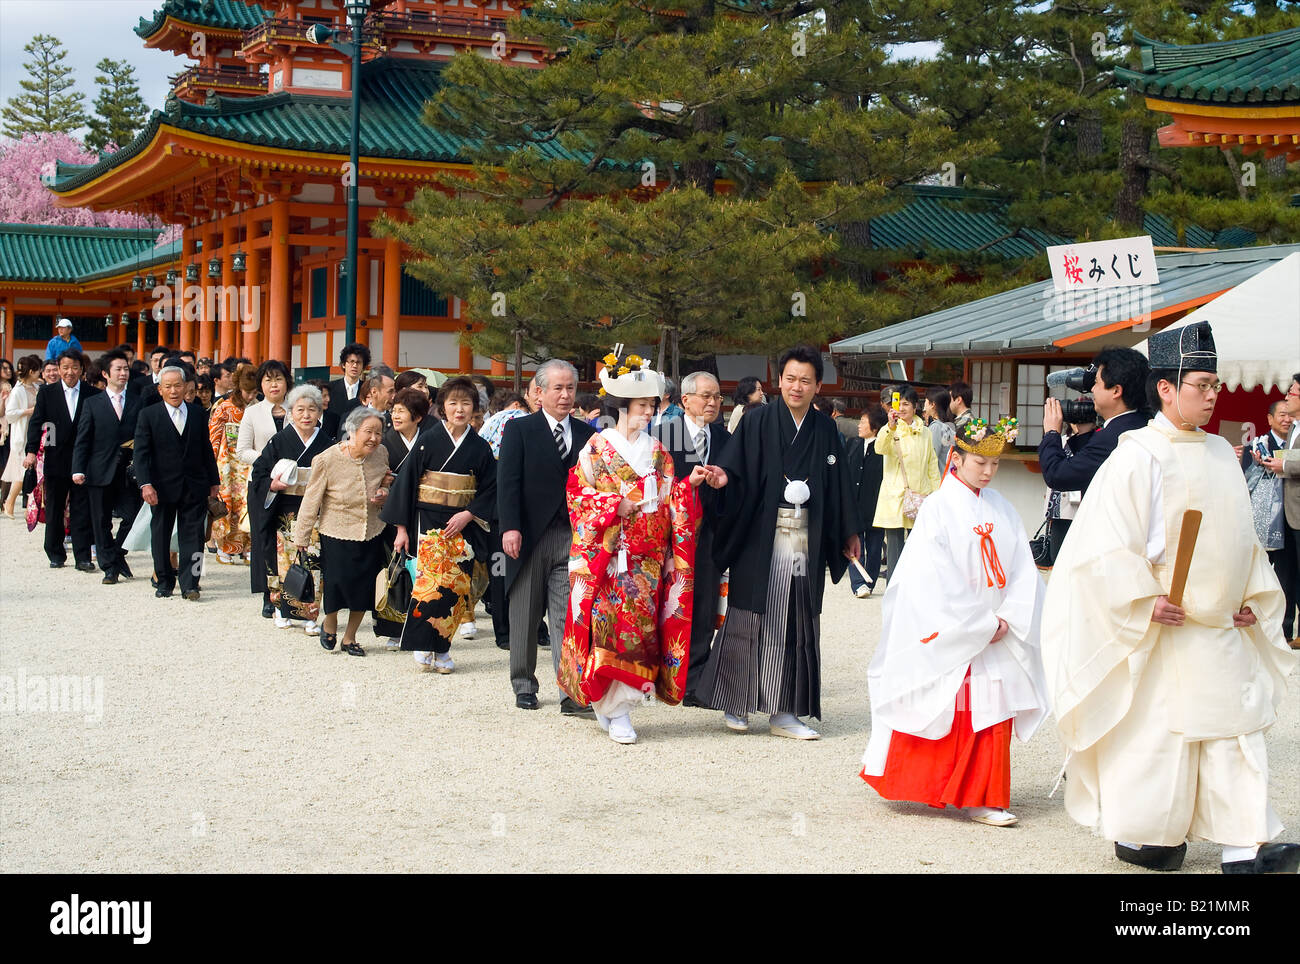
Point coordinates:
[[907, 449]]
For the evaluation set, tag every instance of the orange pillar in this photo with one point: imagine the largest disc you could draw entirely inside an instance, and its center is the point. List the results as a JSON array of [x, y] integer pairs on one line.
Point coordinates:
[[363, 298], [254, 306], [498, 367], [279, 343], [228, 303], [140, 348], [185, 329], [207, 327], [466, 360], [392, 300]]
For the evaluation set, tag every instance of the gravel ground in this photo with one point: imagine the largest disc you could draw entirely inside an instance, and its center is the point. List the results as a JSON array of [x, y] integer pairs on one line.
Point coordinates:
[[223, 744]]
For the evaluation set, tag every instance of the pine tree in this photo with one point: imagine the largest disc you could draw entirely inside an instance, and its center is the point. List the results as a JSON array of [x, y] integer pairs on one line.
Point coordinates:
[[680, 171], [120, 111], [48, 104]]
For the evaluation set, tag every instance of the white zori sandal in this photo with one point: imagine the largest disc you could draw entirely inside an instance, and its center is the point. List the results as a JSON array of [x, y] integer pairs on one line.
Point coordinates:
[[992, 816]]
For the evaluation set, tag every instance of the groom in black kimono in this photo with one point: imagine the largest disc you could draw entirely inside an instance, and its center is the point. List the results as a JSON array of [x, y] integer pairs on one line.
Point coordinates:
[[786, 515]]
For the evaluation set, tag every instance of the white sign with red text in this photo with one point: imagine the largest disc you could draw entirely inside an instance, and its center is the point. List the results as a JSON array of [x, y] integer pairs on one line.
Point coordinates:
[[1122, 263]]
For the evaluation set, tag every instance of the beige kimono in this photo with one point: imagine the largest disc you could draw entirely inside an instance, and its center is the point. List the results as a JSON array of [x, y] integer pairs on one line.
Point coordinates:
[[1164, 725]]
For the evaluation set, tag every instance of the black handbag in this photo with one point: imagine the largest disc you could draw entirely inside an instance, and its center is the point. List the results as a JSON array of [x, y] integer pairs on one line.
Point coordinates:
[[1040, 546], [298, 582], [29, 481], [394, 590]]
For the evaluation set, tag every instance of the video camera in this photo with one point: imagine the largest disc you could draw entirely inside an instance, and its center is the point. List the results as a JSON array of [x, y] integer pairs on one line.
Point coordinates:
[[1075, 411]]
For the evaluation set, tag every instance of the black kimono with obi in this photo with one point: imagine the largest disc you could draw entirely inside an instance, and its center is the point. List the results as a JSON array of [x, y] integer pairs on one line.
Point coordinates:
[[767, 656], [275, 522], [398, 455], [439, 480]]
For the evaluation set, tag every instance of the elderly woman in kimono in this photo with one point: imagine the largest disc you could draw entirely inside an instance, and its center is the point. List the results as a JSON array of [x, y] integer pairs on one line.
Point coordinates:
[[956, 673], [442, 502], [628, 628], [277, 485]]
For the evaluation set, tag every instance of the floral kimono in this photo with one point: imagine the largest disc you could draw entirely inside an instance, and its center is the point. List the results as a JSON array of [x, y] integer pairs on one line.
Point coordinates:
[[223, 432], [629, 614]]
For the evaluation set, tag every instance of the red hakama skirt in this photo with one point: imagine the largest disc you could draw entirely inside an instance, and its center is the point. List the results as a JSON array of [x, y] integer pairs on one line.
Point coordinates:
[[962, 769]]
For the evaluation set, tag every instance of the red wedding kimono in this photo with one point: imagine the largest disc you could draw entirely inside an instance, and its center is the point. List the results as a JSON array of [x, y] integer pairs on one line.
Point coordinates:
[[629, 615]]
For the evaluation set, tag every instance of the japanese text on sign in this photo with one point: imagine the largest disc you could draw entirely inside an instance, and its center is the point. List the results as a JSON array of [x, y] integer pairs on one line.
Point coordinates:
[[1124, 262]]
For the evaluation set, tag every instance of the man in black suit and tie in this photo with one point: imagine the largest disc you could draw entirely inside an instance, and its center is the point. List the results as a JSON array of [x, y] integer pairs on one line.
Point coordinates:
[[177, 474], [105, 436], [697, 438], [59, 408], [345, 392], [1119, 395], [866, 470], [537, 452]]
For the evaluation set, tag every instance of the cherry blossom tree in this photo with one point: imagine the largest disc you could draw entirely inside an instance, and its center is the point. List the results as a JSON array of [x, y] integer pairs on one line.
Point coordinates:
[[26, 166]]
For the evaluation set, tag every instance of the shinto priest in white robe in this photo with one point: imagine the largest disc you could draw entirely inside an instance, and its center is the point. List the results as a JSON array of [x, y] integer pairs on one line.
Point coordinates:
[[1164, 724]]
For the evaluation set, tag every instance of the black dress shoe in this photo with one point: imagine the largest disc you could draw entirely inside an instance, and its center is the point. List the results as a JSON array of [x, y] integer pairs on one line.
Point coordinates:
[[191, 595], [570, 707], [57, 565], [544, 642], [110, 578], [268, 609], [503, 644], [162, 593], [153, 581], [690, 700], [1153, 858], [85, 567], [526, 701], [1273, 858]]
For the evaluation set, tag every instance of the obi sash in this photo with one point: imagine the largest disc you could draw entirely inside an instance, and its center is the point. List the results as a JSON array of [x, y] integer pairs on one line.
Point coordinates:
[[450, 489]]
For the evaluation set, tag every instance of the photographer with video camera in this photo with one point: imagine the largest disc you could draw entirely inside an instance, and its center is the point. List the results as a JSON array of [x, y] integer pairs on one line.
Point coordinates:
[[1117, 381]]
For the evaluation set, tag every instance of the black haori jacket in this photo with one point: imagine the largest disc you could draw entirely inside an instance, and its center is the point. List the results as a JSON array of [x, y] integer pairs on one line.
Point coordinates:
[[762, 454]]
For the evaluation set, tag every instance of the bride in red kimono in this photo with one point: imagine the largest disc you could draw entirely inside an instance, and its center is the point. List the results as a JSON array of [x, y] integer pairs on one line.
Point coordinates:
[[628, 628]]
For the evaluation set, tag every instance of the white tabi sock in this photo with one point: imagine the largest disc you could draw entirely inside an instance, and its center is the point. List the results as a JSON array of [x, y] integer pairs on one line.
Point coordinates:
[[783, 719], [1233, 854]]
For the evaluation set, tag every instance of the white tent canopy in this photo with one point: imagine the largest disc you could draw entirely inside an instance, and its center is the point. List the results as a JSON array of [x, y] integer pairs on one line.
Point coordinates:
[[1256, 328]]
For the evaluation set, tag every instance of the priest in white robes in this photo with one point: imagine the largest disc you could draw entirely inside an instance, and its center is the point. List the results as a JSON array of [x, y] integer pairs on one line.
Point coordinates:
[[1163, 707]]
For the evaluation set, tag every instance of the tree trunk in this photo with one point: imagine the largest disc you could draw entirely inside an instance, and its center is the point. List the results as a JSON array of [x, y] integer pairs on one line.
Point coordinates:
[[1133, 147], [1231, 160]]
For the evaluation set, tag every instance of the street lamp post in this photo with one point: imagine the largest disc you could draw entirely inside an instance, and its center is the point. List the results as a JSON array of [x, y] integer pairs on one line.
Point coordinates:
[[320, 34]]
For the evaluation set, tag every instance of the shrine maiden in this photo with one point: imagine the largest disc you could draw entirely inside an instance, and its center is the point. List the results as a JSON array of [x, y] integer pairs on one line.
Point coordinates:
[[957, 673]]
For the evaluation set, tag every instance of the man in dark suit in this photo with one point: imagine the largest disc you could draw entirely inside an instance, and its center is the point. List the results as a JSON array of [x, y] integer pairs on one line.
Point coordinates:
[[105, 436], [1119, 395], [866, 469], [346, 392], [697, 438], [177, 474], [537, 452], [58, 409]]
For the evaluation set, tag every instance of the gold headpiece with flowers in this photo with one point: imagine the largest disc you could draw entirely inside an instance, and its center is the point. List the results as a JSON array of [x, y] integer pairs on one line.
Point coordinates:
[[628, 376], [977, 437]]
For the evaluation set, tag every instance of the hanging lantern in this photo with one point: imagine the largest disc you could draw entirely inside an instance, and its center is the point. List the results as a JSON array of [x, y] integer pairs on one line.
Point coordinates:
[[214, 268], [144, 316], [137, 283], [238, 262], [192, 273], [172, 276], [150, 281], [126, 317], [343, 269]]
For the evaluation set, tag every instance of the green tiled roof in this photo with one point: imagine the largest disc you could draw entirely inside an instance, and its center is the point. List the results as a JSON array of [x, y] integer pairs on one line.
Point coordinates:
[[954, 219], [218, 14], [1163, 235], [66, 255], [393, 93], [1261, 70]]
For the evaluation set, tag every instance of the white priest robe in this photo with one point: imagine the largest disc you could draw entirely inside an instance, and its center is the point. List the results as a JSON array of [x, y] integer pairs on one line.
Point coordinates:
[[941, 608], [1164, 724]]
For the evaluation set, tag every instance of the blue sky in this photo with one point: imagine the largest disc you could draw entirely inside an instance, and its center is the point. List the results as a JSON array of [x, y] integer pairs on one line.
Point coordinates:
[[89, 29]]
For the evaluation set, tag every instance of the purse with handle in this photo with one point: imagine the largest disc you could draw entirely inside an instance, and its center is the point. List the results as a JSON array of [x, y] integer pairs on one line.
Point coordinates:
[[298, 582], [911, 500]]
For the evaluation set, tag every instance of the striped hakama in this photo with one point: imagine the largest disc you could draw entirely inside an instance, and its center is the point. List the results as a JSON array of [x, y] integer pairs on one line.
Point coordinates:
[[771, 662]]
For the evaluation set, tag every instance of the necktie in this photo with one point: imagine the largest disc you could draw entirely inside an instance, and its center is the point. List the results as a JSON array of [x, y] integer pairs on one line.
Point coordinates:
[[559, 441], [176, 420], [117, 405], [702, 447]]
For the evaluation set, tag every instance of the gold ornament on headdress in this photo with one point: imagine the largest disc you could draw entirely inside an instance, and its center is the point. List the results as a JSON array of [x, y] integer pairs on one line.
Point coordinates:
[[978, 438]]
